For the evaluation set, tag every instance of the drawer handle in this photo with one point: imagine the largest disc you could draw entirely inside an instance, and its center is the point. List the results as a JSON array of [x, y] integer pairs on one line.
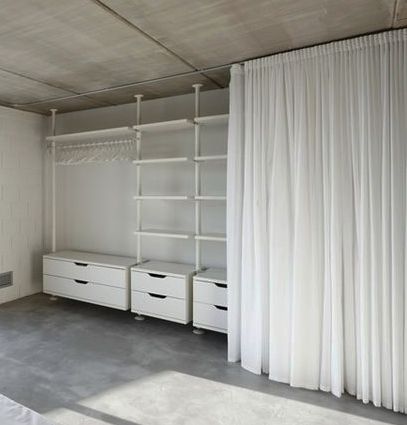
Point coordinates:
[[220, 285], [157, 296], [82, 282], [81, 264], [220, 307], [157, 276]]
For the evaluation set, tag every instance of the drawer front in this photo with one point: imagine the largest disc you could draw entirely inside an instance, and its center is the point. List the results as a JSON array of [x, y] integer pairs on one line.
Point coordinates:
[[209, 315], [159, 284], [168, 307], [210, 293], [90, 292], [88, 272]]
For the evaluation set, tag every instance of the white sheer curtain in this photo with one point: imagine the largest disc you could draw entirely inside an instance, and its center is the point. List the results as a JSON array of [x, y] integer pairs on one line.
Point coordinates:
[[317, 218]]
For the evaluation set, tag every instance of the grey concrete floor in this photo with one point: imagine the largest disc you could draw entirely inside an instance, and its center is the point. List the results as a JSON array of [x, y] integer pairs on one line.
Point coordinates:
[[82, 364]]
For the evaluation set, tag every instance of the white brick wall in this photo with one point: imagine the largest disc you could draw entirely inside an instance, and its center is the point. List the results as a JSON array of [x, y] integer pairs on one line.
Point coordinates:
[[21, 201]]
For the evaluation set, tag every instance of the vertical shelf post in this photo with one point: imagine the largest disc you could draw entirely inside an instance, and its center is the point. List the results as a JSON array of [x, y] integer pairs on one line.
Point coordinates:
[[53, 184], [198, 265], [138, 177]]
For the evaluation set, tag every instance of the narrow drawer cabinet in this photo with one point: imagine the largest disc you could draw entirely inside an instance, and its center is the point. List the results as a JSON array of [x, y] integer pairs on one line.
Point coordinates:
[[94, 278], [210, 300], [162, 290]]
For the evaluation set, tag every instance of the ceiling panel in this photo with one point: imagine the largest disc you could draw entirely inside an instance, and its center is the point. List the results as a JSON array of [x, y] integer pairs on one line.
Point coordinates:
[[400, 17], [77, 45], [17, 89], [214, 32]]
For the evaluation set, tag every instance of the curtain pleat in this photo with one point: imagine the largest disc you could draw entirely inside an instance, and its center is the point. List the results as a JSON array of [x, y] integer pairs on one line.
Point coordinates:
[[234, 211], [317, 239]]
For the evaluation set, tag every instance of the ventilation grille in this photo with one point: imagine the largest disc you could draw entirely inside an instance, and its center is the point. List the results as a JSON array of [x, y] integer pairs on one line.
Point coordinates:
[[6, 279]]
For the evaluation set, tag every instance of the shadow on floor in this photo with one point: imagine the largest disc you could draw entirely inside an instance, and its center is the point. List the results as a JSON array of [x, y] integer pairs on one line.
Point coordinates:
[[56, 354]]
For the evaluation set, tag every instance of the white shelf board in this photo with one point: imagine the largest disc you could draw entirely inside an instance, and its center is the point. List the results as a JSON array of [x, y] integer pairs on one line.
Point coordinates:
[[87, 135], [215, 237], [93, 258], [213, 119], [169, 269], [163, 198], [164, 126], [210, 198], [212, 275], [165, 233], [210, 158], [160, 160]]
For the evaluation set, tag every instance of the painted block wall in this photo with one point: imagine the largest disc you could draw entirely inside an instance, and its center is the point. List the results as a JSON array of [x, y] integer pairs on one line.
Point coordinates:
[[21, 201], [95, 209]]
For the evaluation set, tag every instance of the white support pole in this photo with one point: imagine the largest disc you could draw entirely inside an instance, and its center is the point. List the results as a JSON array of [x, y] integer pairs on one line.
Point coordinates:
[[53, 184], [138, 177], [198, 265]]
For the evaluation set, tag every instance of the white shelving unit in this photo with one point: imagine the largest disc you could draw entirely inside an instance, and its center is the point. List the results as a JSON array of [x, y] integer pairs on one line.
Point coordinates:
[[171, 283], [197, 235], [198, 159]]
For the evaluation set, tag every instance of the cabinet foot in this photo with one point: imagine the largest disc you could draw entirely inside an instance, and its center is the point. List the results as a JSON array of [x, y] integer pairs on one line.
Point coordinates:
[[198, 331], [139, 317]]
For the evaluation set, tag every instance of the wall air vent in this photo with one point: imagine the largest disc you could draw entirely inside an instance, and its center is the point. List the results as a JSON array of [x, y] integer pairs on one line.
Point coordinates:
[[6, 279]]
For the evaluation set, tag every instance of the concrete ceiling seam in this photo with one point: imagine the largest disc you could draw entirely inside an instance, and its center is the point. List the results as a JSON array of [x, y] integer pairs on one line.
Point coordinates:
[[152, 39], [123, 86]]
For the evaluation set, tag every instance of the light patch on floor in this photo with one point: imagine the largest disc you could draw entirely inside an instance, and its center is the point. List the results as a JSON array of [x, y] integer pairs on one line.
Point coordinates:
[[174, 398]]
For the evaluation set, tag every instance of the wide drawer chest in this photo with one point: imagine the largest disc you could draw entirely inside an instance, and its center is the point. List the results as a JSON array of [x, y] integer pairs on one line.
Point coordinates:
[[162, 290], [210, 300], [94, 278]]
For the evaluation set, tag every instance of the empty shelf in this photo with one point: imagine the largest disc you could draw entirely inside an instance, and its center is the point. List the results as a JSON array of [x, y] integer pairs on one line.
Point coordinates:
[[213, 119], [92, 135], [215, 237], [212, 275], [163, 197], [210, 198], [164, 126], [160, 160], [165, 233], [210, 158], [169, 269]]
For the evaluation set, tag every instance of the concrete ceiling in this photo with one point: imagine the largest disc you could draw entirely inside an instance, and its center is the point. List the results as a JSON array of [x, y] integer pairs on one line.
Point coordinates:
[[52, 51]]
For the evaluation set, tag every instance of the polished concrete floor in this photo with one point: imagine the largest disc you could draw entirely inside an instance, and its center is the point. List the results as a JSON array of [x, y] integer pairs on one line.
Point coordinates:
[[76, 363]]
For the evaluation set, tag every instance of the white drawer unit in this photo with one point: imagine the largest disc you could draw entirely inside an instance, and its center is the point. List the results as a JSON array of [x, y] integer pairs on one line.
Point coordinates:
[[162, 290], [94, 278], [83, 290], [211, 317], [161, 306], [210, 300]]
